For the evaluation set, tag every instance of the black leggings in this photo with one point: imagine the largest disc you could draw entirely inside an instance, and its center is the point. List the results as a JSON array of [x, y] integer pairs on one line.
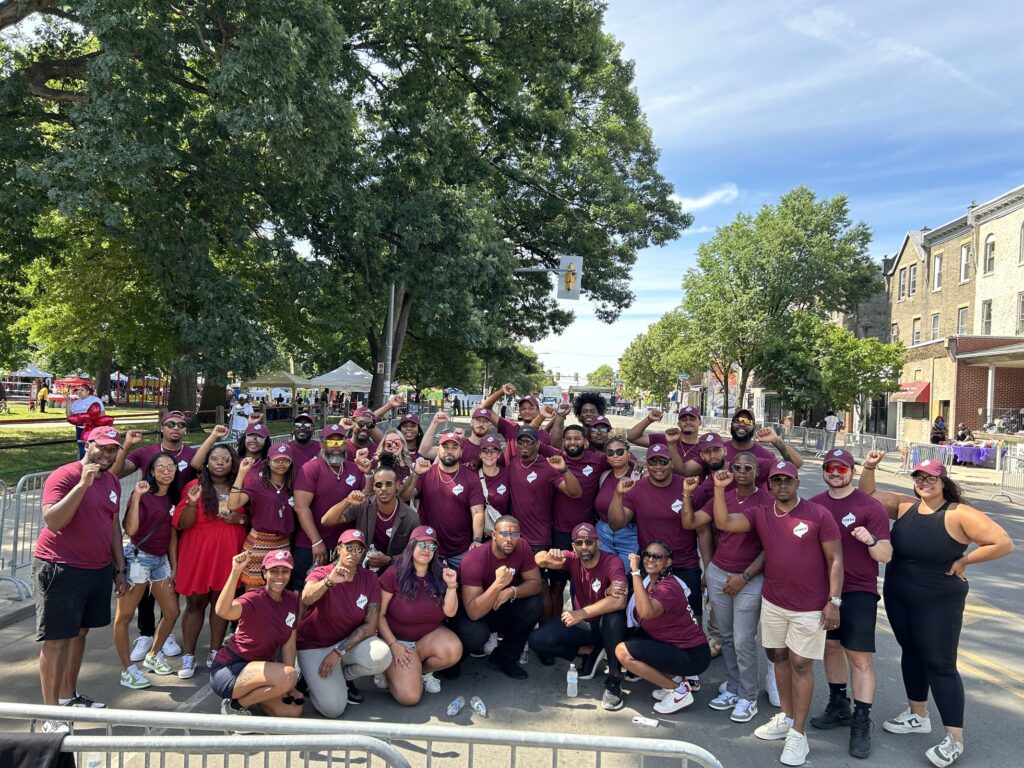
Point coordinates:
[[926, 621]]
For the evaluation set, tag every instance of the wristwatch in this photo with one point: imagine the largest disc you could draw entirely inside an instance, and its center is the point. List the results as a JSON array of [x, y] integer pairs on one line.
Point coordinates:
[[836, 601], [339, 649], [478, 539]]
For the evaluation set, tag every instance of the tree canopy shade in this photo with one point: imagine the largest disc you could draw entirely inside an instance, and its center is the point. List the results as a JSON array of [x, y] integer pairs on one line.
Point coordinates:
[[602, 376], [435, 145]]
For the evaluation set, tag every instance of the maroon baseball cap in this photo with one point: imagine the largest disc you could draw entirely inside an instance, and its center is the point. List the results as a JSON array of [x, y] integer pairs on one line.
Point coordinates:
[[584, 528], [711, 440], [256, 428], [600, 420], [280, 451], [491, 441], [785, 468], [743, 411], [173, 415], [304, 417], [529, 398], [449, 437], [278, 557], [332, 430], [363, 413], [423, 533], [410, 418], [482, 413], [104, 436], [352, 534], [658, 449], [839, 456], [689, 410], [932, 467]]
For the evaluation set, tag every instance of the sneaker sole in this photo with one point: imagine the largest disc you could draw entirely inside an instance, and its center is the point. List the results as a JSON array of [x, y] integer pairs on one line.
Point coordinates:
[[743, 719], [772, 736], [685, 705], [186, 675], [902, 729], [156, 671], [828, 726], [136, 687], [613, 707]]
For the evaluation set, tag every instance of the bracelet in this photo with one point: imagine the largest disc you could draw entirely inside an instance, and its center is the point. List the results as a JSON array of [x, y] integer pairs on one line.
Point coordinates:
[[874, 540], [634, 573], [236, 488], [515, 594], [315, 543]]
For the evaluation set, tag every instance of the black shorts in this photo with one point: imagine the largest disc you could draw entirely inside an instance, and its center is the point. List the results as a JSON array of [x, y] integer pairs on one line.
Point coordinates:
[[668, 659], [561, 540], [224, 676], [691, 577], [857, 618], [70, 599]]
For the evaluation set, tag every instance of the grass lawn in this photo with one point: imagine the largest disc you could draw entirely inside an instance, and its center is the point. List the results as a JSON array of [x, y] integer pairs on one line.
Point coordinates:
[[20, 411]]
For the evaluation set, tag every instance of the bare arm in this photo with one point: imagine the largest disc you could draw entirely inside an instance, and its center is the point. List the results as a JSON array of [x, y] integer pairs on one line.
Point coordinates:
[[227, 607], [121, 466], [636, 435], [131, 515], [345, 510], [619, 515], [770, 436], [550, 558], [692, 520], [531, 585], [706, 545], [724, 519], [427, 449], [992, 540], [834, 558], [367, 629], [57, 515], [219, 432]]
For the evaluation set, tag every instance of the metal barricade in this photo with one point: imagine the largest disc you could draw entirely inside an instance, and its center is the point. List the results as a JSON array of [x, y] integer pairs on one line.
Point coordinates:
[[489, 746], [1011, 481], [28, 517], [7, 523], [859, 445]]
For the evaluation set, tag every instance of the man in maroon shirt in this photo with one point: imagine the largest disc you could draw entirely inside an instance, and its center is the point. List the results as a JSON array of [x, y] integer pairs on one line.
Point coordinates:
[[598, 432], [864, 527], [743, 431], [803, 584], [501, 588], [687, 448], [304, 447], [598, 618], [71, 567], [479, 427]]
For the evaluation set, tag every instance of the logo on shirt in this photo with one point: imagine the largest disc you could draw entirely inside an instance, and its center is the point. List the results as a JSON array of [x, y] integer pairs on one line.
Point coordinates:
[[291, 501], [388, 532], [361, 602], [848, 520], [588, 471], [677, 505], [531, 477], [290, 619], [596, 585], [182, 465], [458, 489], [800, 530], [113, 497], [350, 480], [501, 489], [171, 511]]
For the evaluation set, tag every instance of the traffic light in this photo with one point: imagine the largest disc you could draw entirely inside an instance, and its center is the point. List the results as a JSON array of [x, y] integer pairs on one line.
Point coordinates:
[[576, 377]]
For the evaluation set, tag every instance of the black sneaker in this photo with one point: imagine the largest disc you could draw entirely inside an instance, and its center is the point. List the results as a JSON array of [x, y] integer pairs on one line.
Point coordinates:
[[509, 668], [860, 734], [354, 696], [81, 700], [612, 698], [837, 712], [590, 663], [546, 659]]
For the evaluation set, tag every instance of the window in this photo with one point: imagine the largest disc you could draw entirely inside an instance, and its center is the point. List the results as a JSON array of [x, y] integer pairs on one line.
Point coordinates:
[[915, 411], [961, 321], [915, 331], [935, 326], [912, 280], [894, 332], [903, 284], [986, 318], [937, 272], [965, 262], [1020, 312], [989, 265]]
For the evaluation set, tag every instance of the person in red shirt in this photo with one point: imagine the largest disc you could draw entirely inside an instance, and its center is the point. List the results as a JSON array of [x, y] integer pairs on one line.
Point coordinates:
[[494, 482], [412, 432], [598, 618], [743, 430], [667, 645], [864, 525], [417, 595], [244, 672], [479, 428], [400, 460]]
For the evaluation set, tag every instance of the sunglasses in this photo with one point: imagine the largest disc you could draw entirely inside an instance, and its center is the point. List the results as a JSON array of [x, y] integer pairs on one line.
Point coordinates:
[[658, 461], [301, 425], [364, 424], [743, 420], [383, 483], [925, 480], [583, 542], [427, 545], [601, 428], [617, 451], [508, 534], [334, 439], [524, 440], [656, 556], [742, 467], [781, 480], [175, 424], [355, 549], [836, 469], [393, 443]]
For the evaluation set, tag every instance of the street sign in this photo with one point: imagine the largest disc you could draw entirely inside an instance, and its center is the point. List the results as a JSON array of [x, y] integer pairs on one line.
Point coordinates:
[[380, 368], [570, 277], [683, 376]]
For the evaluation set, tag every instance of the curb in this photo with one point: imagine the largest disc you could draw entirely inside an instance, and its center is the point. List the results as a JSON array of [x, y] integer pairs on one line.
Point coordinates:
[[23, 610]]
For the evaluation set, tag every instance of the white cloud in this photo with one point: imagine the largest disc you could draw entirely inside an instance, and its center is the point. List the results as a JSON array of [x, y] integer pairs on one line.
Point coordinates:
[[722, 195]]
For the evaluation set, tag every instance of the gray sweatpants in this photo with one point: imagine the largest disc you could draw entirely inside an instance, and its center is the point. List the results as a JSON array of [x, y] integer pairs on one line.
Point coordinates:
[[737, 618], [330, 694]]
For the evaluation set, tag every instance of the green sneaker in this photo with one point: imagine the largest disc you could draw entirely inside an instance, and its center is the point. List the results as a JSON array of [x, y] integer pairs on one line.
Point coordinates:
[[157, 663], [133, 678]]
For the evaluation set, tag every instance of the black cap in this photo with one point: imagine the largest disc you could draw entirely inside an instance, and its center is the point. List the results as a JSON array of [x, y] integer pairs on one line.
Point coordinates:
[[527, 431]]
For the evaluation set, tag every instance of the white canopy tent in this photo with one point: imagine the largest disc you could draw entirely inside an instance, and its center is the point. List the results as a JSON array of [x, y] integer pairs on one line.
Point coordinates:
[[281, 379], [346, 378], [31, 372]]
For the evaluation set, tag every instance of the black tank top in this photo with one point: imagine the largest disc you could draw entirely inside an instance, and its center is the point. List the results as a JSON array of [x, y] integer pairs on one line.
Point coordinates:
[[921, 546]]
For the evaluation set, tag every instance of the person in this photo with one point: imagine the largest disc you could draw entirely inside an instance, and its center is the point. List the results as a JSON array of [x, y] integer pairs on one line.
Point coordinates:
[[623, 540], [450, 500], [78, 558], [686, 444], [529, 414], [597, 620], [151, 559], [667, 646], [964, 434], [832, 423], [494, 481], [239, 416], [385, 520], [254, 444], [479, 427], [800, 598], [925, 592], [588, 406], [743, 430], [412, 432], [598, 432], [43, 395], [938, 434], [304, 447], [734, 579], [338, 640], [501, 588], [864, 528], [209, 535], [78, 404], [417, 595], [400, 461], [267, 495], [244, 672]]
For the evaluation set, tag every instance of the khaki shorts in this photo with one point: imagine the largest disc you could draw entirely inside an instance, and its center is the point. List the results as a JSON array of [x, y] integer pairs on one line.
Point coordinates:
[[800, 631]]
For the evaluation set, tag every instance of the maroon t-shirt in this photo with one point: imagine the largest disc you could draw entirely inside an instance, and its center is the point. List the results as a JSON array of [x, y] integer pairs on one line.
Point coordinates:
[[411, 619], [498, 490], [735, 550], [507, 429], [301, 453], [657, 512], [686, 451], [479, 565], [328, 486], [706, 490], [860, 570], [587, 470], [85, 541], [383, 530], [795, 569], [351, 447], [607, 492], [676, 625], [470, 452], [755, 448], [266, 625], [590, 584], [155, 513], [271, 510], [533, 497], [446, 501], [141, 457], [343, 607]]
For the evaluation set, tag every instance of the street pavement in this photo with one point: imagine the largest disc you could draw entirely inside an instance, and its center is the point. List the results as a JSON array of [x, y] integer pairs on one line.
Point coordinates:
[[990, 662]]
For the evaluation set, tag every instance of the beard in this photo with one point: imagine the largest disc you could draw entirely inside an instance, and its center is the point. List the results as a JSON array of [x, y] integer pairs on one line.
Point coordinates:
[[335, 459], [739, 434], [449, 461], [574, 452], [714, 466]]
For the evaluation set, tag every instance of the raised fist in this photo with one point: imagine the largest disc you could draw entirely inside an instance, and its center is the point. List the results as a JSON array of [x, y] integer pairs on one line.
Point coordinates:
[[347, 423], [767, 435], [142, 487], [132, 437], [873, 459], [504, 575], [440, 417], [220, 431], [422, 466], [723, 478], [655, 414], [246, 464], [557, 462], [625, 485], [395, 401], [690, 483], [508, 389], [672, 434], [451, 578], [548, 411], [563, 409], [556, 553], [634, 561], [356, 497], [459, 432], [195, 493], [239, 561]]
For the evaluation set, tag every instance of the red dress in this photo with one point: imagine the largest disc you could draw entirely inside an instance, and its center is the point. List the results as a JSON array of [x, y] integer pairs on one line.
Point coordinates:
[[205, 550]]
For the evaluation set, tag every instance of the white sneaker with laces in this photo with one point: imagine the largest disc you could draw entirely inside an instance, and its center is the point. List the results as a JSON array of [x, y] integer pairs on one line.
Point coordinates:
[[157, 664], [134, 679], [675, 700], [775, 729], [431, 684], [772, 687], [188, 667], [491, 644], [796, 749], [907, 722], [946, 753], [744, 711], [56, 726], [661, 693], [141, 648], [723, 701], [171, 648]]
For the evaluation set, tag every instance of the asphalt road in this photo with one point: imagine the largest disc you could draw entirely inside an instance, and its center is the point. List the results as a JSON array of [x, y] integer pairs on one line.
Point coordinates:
[[990, 661]]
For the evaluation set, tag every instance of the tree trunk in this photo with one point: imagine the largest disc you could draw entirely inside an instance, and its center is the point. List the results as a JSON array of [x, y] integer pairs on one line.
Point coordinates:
[[103, 367], [182, 392], [213, 397], [744, 377]]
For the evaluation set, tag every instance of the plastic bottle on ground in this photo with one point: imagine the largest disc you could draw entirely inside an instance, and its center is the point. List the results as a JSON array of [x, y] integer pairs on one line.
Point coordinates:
[[572, 682], [478, 706], [456, 706]]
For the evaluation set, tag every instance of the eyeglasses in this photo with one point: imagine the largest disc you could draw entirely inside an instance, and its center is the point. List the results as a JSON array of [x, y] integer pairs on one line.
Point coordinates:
[[836, 469], [393, 443], [658, 461], [781, 480], [617, 451], [364, 424], [656, 556], [489, 450], [583, 542], [743, 420], [355, 549], [383, 483], [175, 424], [508, 534], [743, 467], [427, 545], [601, 428], [925, 480]]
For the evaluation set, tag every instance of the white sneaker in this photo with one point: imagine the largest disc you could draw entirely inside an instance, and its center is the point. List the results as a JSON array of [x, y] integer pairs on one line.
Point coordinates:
[[491, 644], [908, 722], [723, 701], [210, 658], [133, 678], [381, 681], [796, 750], [431, 684], [946, 753], [744, 711], [141, 648], [775, 729], [772, 687], [157, 664], [188, 667], [680, 698], [56, 726], [171, 648], [661, 693]]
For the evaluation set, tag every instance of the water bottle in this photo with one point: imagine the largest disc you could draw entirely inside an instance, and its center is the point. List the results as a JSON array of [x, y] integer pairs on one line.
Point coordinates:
[[456, 706], [478, 706], [571, 679], [370, 552]]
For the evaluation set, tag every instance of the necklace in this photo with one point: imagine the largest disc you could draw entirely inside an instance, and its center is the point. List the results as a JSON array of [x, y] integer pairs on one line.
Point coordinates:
[[341, 468], [527, 466], [775, 509], [450, 475], [741, 501], [170, 453], [389, 517]]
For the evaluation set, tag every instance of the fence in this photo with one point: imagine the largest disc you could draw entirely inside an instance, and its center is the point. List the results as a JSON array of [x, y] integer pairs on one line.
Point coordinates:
[[1011, 483]]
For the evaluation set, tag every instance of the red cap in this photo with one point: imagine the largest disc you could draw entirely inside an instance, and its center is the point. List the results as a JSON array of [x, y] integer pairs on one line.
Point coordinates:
[[584, 528], [529, 398], [711, 440], [256, 428], [280, 451], [423, 533], [491, 441], [600, 420], [689, 410], [364, 413], [785, 468], [104, 436], [482, 413], [449, 437], [174, 415], [304, 417], [278, 557], [352, 534], [839, 456], [331, 430], [932, 467], [744, 411], [658, 449]]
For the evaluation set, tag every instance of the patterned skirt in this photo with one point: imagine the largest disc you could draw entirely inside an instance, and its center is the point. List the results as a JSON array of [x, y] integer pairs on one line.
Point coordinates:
[[258, 544]]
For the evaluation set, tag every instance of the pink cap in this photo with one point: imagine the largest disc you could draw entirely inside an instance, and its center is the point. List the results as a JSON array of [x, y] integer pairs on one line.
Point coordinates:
[[931, 467], [278, 557], [839, 456], [352, 534], [280, 451], [104, 436], [449, 437]]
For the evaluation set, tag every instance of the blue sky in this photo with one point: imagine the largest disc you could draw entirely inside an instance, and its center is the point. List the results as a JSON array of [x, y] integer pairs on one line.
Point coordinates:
[[911, 109]]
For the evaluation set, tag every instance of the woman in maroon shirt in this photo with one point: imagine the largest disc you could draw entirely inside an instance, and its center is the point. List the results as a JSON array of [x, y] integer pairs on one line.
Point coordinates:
[[394, 444], [417, 594], [493, 481], [271, 507], [668, 645]]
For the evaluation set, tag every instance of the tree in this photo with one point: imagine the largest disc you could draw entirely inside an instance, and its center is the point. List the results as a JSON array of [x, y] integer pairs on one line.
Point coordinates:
[[648, 365], [602, 376]]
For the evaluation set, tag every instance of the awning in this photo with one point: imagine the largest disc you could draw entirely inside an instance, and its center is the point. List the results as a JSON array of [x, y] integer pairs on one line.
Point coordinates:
[[912, 392]]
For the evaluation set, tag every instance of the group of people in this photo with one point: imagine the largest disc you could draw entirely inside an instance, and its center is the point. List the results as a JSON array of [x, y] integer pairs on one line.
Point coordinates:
[[395, 555]]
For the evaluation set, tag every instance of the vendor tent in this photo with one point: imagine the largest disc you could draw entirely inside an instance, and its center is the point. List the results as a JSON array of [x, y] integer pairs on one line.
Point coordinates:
[[347, 378], [281, 379], [31, 372]]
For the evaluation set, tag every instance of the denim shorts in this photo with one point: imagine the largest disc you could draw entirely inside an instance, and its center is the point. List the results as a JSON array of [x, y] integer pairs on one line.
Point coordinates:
[[141, 567]]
